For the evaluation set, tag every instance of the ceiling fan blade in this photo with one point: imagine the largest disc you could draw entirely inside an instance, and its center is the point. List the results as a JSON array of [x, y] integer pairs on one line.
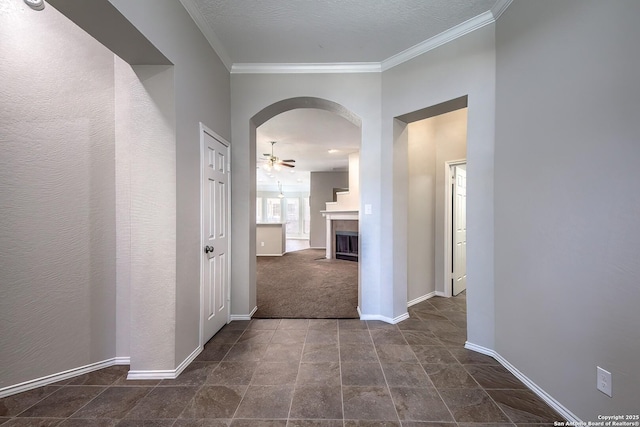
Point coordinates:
[[289, 161], [288, 165], [266, 154]]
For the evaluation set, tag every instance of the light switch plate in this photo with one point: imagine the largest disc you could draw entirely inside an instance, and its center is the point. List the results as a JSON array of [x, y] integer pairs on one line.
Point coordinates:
[[604, 381]]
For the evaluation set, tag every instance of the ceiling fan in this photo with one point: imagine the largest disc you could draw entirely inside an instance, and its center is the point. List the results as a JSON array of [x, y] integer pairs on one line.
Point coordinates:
[[273, 162]]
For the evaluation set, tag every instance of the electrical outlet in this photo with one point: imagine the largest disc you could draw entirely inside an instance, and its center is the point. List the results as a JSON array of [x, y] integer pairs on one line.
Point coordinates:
[[604, 381], [261, 243]]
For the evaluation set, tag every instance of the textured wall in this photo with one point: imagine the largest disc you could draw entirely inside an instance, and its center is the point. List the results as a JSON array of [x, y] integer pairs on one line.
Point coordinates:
[[465, 66], [567, 206], [57, 196], [321, 191], [432, 142]]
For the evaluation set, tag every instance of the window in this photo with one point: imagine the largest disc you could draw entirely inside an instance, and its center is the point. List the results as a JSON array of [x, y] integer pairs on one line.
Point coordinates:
[[293, 216], [274, 210], [259, 209], [307, 216]]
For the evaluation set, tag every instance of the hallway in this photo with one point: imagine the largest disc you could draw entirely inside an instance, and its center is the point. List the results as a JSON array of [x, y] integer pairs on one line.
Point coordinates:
[[287, 372]]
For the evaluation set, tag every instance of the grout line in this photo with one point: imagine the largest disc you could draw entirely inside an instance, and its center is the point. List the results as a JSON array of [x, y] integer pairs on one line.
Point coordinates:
[[385, 375]]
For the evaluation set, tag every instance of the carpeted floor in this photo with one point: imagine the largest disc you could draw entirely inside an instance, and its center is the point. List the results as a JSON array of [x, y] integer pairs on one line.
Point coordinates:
[[305, 285]]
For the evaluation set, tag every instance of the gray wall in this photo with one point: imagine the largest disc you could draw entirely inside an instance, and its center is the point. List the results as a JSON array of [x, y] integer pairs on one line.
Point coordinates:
[[566, 202], [321, 191], [431, 143], [57, 196], [202, 94], [465, 66]]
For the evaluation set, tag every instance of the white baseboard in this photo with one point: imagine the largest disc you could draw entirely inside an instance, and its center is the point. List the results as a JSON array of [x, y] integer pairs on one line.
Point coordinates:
[[243, 316], [167, 374], [123, 360], [557, 406], [441, 294], [53, 378], [270, 255], [390, 320], [420, 299]]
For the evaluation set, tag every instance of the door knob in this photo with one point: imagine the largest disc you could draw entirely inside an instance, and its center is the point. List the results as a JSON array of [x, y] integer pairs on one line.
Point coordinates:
[[208, 249]]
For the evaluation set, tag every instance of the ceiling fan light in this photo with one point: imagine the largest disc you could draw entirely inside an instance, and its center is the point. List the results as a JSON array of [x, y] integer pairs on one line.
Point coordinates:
[[267, 167], [277, 167]]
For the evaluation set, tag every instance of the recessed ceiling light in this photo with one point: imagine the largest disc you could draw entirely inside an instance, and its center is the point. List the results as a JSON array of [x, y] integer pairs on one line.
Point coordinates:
[[332, 150], [35, 4]]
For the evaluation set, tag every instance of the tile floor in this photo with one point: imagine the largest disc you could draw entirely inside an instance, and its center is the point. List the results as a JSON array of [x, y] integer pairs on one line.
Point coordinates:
[[302, 373]]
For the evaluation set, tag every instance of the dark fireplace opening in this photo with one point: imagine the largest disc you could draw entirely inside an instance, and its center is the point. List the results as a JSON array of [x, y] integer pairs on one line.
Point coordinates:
[[347, 245]]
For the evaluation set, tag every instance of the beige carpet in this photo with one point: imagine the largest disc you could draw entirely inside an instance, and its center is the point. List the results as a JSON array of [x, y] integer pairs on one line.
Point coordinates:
[[304, 284]]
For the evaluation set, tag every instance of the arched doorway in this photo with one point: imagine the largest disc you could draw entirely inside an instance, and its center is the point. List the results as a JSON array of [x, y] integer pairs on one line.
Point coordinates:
[[285, 106]]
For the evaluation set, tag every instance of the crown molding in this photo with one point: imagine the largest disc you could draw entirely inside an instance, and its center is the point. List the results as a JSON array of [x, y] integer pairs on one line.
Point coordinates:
[[498, 9], [205, 29], [437, 41], [486, 18], [339, 67]]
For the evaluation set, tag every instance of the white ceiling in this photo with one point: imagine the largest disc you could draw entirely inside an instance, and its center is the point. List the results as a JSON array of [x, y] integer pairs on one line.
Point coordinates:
[[326, 31], [249, 33]]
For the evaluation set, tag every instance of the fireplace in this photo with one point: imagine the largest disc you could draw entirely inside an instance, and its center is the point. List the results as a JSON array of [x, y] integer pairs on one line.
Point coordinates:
[[347, 245]]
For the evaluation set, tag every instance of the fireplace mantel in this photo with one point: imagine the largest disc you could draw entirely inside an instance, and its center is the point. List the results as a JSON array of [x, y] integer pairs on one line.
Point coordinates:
[[344, 215]]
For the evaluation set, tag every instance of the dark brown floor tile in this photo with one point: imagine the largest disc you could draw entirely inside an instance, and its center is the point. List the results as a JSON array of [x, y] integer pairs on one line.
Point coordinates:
[[473, 405], [455, 316], [357, 336], [413, 325], [4, 420], [391, 353], [106, 376], [315, 423], [32, 422], [421, 338], [319, 374], [258, 423], [523, 406], [13, 405], [238, 325], [114, 402], [369, 423], [470, 357], [317, 403], [86, 422], [283, 352], [320, 353], [494, 376], [405, 375], [429, 315], [245, 352], [213, 352], [195, 422], [266, 402], [432, 354], [419, 404], [449, 376], [162, 402], [123, 382], [264, 324], [232, 373], [427, 424], [439, 327], [368, 403], [452, 339], [302, 324], [214, 402], [357, 353], [323, 324], [362, 374], [387, 336], [275, 373], [193, 375], [378, 324], [63, 402], [319, 336], [486, 425], [226, 336], [145, 423], [351, 324], [289, 336], [257, 336]]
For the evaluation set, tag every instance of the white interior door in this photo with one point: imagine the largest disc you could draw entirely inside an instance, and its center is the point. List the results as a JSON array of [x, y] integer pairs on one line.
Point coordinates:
[[459, 266], [215, 234]]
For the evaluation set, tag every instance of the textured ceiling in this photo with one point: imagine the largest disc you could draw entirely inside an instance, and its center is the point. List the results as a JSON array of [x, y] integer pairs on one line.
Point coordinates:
[[326, 31]]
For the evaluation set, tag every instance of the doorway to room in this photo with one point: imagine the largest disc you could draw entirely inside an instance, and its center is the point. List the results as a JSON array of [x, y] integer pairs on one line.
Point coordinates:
[[306, 165]]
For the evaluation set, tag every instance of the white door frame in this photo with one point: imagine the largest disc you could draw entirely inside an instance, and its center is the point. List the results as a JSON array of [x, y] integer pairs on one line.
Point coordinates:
[[448, 224], [205, 130]]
